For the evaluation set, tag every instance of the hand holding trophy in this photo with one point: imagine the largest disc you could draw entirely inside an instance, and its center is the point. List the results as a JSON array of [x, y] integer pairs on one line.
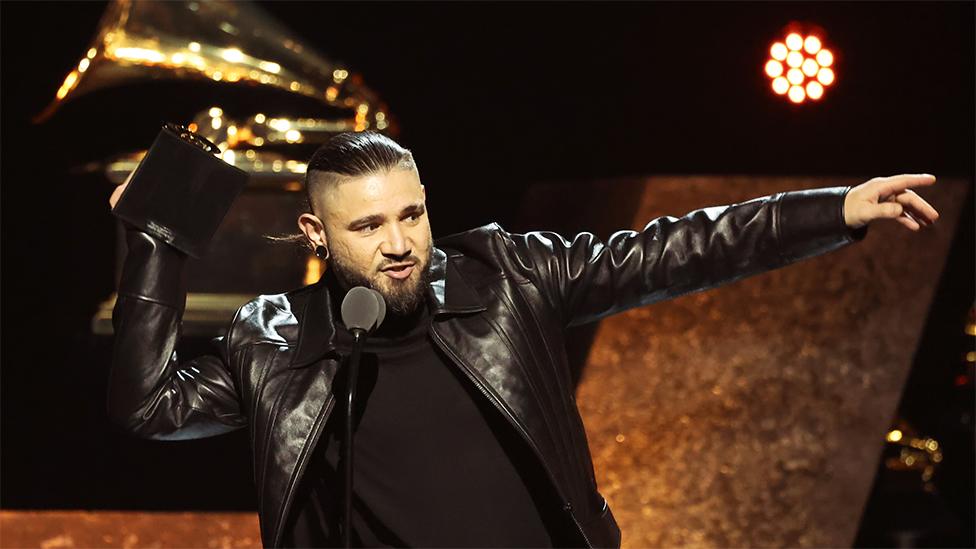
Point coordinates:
[[180, 192], [117, 193]]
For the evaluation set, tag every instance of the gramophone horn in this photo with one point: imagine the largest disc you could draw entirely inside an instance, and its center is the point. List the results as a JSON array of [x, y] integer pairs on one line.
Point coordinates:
[[228, 42]]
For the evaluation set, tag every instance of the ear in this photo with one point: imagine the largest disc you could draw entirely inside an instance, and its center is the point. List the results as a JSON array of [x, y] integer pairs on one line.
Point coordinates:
[[313, 228]]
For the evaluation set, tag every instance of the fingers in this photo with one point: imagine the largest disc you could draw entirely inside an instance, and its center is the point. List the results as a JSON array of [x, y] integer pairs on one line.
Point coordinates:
[[908, 223], [898, 183], [116, 194], [890, 210], [897, 201], [119, 189], [917, 207]]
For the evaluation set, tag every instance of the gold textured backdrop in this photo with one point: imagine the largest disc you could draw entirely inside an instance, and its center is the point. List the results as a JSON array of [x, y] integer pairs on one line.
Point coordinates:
[[753, 414]]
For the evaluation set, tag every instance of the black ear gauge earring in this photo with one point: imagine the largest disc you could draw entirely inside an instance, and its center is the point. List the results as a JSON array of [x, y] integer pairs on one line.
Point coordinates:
[[322, 252]]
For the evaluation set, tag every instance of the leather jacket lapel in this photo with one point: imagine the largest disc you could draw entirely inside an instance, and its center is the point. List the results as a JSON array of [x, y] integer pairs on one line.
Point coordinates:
[[447, 291], [316, 330], [302, 408]]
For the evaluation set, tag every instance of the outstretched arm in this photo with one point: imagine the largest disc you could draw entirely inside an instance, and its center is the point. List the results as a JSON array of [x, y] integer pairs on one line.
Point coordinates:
[[586, 279]]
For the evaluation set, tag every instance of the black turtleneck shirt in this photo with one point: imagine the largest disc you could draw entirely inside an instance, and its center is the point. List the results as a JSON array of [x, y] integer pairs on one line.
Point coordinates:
[[436, 464]]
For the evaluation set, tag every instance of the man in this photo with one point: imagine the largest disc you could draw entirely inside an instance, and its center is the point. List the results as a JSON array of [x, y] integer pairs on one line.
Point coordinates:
[[467, 433]]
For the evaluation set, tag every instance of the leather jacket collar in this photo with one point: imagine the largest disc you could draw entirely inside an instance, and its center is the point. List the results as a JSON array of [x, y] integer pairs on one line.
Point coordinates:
[[447, 293]]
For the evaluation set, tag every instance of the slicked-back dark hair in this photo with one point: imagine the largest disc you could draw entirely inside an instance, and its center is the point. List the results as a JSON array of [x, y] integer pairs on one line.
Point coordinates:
[[358, 153], [349, 154], [353, 154]]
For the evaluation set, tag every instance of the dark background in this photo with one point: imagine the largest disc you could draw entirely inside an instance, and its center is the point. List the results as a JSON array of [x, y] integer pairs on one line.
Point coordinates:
[[490, 98]]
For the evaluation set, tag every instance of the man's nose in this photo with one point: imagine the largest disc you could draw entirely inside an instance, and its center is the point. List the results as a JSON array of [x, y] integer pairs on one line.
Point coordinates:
[[396, 242]]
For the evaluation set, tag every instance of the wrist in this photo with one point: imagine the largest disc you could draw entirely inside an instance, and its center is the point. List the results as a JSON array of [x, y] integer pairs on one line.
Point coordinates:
[[152, 269], [849, 219]]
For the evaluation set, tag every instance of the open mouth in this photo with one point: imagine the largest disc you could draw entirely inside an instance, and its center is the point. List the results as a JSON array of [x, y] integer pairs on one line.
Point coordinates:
[[399, 271]]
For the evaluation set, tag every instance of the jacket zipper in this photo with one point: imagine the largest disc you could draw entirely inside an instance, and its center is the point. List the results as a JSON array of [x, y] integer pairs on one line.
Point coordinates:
[[300, 469], [468, 371]]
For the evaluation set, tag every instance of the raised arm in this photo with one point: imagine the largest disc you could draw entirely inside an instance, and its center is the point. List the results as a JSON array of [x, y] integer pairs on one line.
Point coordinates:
[[586, 279], [150, 394]]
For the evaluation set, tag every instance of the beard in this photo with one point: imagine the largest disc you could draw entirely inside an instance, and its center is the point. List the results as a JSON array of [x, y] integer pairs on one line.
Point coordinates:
[[402, 297]]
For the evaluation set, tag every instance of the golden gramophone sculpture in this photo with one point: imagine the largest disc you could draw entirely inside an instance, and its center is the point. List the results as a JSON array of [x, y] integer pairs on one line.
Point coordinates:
[[229, 44]]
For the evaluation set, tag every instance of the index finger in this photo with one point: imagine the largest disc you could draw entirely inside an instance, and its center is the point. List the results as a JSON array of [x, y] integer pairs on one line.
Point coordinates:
[[898, 183]]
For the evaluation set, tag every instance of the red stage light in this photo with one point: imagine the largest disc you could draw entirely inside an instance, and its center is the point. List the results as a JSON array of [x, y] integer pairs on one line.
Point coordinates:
[[798, 67]]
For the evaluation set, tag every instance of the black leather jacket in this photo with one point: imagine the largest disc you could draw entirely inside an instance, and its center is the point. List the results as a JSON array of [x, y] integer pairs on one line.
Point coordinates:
[[500, 302]]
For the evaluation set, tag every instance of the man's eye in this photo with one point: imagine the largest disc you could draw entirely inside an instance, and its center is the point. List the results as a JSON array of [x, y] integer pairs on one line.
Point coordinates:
[[369, 228]]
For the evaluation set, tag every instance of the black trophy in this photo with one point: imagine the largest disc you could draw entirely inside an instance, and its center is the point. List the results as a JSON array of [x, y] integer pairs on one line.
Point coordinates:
[[181, 190]]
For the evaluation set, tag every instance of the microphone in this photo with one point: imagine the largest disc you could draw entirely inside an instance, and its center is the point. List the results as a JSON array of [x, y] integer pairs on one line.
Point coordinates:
[[363, 310]]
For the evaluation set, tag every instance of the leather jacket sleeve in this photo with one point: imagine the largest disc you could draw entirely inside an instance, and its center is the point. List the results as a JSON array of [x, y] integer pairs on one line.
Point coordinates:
[[586, 279], [150, 394]]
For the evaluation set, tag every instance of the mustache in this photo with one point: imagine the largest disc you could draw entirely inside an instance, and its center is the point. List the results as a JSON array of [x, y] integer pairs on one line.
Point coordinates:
[[408, 259]]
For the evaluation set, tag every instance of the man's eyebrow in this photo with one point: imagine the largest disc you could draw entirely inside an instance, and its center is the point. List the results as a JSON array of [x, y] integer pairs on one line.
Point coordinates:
[[364, 221], [413, 208], [416, 208]]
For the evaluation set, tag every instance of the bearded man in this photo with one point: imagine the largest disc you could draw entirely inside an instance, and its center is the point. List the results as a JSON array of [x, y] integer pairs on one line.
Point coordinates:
[[467, 431]]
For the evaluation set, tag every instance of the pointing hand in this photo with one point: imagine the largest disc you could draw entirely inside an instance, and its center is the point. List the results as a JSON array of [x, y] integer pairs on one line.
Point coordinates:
[[890, 198]]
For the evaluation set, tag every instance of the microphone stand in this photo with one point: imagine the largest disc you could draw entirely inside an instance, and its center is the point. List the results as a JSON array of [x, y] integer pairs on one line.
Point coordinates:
[[363, 309], [359, 336]]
